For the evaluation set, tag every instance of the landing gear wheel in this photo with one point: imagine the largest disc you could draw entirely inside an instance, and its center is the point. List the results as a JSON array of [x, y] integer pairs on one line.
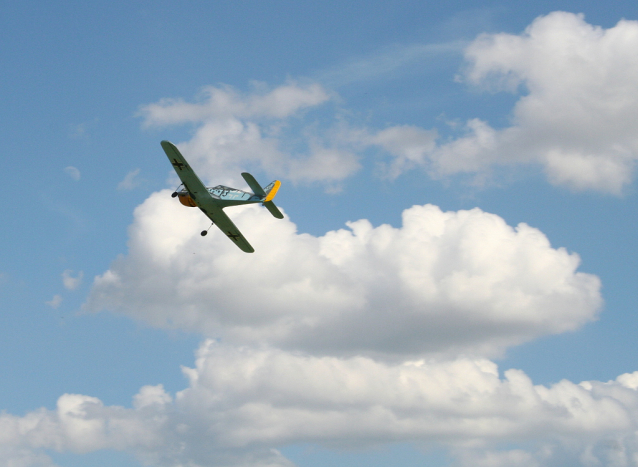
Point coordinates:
[[204, 232], [174, 194]]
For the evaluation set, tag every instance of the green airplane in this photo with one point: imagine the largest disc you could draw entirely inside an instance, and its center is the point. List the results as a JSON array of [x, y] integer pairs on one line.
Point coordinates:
[[212, 201]]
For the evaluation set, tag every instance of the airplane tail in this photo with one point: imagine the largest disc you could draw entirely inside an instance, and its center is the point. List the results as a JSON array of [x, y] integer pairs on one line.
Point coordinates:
[[271, 190], [268, 193]]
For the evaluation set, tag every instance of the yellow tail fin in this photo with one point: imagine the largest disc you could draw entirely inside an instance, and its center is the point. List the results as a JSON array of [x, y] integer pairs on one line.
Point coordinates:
[[273, 191]]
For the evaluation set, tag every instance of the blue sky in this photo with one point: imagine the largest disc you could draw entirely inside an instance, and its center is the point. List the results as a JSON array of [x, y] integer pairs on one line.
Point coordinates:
[[477, 309]]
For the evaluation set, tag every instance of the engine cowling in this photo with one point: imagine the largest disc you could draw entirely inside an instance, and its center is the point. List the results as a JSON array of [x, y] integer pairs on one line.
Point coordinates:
[[186, 200]]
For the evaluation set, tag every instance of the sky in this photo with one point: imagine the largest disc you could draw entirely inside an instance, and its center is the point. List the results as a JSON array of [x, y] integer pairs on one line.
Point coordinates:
[[453, 283]]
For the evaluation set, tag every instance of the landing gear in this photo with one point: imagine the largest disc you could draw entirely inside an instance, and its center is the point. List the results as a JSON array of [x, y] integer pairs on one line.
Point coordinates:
[[174, 195], [204, 232]]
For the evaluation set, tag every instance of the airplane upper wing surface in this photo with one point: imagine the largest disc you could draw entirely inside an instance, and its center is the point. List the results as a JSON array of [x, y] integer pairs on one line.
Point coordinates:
[[202, 197]]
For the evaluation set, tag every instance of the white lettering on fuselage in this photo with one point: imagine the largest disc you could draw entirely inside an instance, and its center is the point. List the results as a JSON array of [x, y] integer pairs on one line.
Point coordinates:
[[224, 192]]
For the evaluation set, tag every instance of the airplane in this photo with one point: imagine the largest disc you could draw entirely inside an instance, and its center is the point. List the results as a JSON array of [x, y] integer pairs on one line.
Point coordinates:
[[212, 201]]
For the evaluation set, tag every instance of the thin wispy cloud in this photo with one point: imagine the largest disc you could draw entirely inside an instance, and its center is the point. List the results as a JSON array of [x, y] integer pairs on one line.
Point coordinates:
[[72, 172], [78, 131], [55, 302], [70, 282], [130, 181], [395, 60]]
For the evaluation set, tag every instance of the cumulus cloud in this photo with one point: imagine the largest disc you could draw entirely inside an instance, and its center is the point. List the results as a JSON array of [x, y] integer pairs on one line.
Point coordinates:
[[70, 282], [577, 117], [73, 172], [410, 147], [292, 397], [241, 403], [238, 131], [443, 282]]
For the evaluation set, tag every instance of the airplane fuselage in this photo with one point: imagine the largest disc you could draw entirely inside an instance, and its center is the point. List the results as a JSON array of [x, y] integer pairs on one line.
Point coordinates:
[[223, 195]]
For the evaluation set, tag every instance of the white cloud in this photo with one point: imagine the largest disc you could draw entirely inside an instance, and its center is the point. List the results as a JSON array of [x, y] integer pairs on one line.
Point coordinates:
[[70, 282], [489, 458], [409, 145], [235, 132], [578, 117], [225, 102], [443, 282], [242, 402], [239, 132], [20, 457], [55, 302], [327, 164], [290, 397], [72, 172]]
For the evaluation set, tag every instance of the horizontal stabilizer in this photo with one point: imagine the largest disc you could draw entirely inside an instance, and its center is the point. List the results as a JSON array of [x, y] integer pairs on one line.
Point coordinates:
[[252, 183], [273, 209]]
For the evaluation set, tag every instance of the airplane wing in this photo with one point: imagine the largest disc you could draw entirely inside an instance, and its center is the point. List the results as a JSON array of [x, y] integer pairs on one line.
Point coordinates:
[[221, 220], [202, 197], [191, 181]]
